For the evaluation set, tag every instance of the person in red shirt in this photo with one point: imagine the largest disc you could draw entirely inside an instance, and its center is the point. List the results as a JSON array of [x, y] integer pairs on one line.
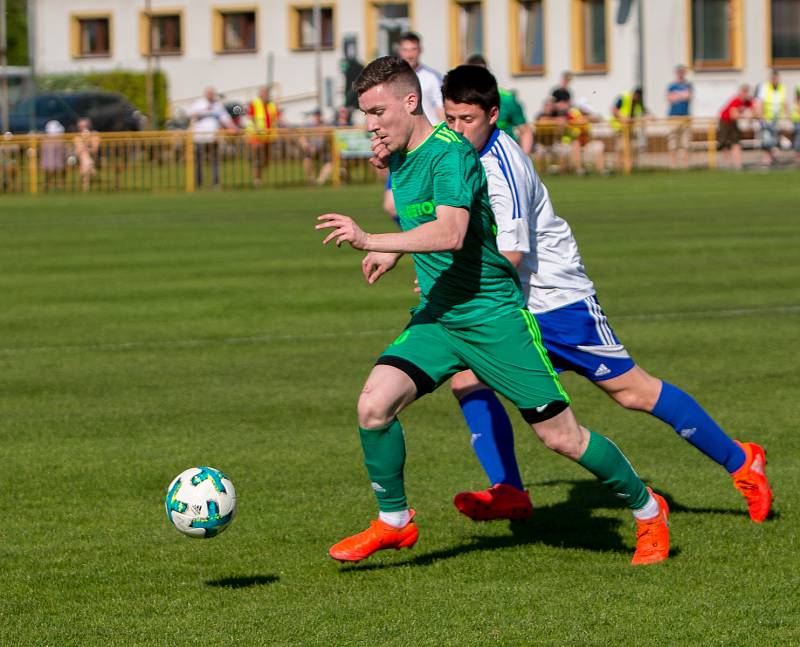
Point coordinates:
[[729, 135]]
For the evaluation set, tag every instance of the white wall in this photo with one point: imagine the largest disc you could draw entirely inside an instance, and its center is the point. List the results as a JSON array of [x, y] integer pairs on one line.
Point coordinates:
[[239, 75]]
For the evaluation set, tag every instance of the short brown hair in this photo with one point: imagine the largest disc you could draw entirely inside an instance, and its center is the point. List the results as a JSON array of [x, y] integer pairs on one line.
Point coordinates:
[[387, 70]]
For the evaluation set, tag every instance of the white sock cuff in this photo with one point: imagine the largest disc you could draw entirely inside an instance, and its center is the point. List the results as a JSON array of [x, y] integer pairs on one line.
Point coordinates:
[[397, 519], [649, 511]]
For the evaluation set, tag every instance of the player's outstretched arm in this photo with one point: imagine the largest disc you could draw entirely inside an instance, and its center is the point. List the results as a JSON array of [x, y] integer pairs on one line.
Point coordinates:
[[376, 264], [445, 234]]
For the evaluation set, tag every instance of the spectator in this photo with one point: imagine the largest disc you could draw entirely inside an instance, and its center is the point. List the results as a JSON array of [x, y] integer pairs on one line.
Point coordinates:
[[409, 49], [628, 107], [577, 135], [729, 135], [207, 115], [796, 121], [316, 148], [679, 98], [87, 145], [53, 156], [562, 95], [770, 106], [511, 117], [261, 125], [547, 124]]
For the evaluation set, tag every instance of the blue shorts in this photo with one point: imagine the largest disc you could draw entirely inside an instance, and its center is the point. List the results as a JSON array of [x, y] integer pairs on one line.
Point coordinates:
[[578, 338]]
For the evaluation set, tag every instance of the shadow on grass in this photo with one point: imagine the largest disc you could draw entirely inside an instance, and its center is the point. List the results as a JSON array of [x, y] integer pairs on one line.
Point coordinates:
[[569, 524], [243, 582]]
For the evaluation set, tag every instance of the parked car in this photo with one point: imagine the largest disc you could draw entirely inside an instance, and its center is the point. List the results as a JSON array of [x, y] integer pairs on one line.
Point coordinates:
[[108, 111]]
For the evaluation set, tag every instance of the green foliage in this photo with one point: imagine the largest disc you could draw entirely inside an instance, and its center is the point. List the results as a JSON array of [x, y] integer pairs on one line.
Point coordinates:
[[16, 28], [130, 84], [144, 334]]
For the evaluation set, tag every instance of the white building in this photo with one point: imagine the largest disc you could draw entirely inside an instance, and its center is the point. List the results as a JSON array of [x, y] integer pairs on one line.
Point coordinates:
[[611, 45]]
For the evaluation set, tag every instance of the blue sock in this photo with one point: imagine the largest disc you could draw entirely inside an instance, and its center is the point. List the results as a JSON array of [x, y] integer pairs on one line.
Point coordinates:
[[689, 419], [492, 437]]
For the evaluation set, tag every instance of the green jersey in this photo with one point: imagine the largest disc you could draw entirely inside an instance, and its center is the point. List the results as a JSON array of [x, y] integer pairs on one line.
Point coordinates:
[[476, 283], [510, 114]]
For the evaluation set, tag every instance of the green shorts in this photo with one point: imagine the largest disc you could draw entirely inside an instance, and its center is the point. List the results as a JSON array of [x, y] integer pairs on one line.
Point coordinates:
[[506, 354]]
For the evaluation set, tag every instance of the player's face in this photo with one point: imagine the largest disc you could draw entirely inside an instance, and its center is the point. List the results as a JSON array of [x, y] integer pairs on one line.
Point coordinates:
[[409, 51], [389, 114], [470, 120]]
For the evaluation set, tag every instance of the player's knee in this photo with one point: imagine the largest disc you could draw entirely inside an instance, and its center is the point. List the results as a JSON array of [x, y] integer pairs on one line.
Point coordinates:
[[373, 410], [562, 441], [641, 399], [462, 384]]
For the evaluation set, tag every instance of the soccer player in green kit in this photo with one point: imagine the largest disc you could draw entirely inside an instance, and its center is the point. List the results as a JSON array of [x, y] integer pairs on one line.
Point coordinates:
[[471, 315]]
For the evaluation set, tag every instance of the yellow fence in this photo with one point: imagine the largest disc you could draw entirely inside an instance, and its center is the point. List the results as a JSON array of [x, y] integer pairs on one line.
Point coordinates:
[[177, 161]]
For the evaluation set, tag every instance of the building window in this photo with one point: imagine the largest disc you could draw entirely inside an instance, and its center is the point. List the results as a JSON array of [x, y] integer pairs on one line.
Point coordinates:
[[235, 29], [161, 34], [302, 31], [91, 36], [527, 42], [716, 34], [590, 52], [785, 33], [386, 22], [466, 30]]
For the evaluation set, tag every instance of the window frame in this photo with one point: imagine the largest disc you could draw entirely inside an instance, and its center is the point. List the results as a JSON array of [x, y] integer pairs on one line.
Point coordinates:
[[218, 28], [735, 36], [371, 22], [777, 63], [294, 26], [457, 53], [76, 18], [580, 65], [517, 67], [144, 30]]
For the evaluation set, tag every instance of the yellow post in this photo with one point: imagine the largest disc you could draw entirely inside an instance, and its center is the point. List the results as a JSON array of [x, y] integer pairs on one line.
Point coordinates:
[[336, 162], [33, 166], [189, 157], [627, 158], [712, 145]]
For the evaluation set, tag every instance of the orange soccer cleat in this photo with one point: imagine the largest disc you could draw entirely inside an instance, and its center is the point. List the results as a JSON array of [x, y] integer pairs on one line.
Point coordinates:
[[751, 480], [379, 536], [652, 535], [500, 501]]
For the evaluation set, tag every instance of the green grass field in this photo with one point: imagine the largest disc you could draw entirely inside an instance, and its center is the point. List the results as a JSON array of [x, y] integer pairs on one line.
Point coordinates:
[[141, 335]]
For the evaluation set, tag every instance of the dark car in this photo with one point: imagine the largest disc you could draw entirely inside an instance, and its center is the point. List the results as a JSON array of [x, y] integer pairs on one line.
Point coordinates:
[[108, 111]]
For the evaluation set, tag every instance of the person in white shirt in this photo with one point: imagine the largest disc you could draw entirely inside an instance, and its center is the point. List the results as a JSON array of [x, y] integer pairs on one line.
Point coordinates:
[[208, 116], [430, 81], [572, 325]]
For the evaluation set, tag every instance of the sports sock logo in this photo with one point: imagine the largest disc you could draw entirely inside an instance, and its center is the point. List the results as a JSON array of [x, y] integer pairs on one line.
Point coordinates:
[[378, 487], [687, 433]]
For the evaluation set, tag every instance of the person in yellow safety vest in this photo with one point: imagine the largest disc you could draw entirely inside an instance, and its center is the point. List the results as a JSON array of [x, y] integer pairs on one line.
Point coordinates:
[[771, 106], [578, 134], [629, 105], [262, 130]]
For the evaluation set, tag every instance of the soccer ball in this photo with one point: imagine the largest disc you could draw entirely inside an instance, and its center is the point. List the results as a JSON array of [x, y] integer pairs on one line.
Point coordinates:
[[201, 502]]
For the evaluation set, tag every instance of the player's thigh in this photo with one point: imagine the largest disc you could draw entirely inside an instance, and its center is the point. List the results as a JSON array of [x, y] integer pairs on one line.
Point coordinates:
[[635, 389], [507, 355], [425, 352], [579, 338], [465, 382]]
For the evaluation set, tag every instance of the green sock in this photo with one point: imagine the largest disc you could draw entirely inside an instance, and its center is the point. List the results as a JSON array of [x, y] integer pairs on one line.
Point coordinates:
[[604, 459], [385, 455]]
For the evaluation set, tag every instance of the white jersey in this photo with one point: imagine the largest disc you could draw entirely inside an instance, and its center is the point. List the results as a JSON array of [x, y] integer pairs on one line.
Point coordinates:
[[551, 271], [430, 82]]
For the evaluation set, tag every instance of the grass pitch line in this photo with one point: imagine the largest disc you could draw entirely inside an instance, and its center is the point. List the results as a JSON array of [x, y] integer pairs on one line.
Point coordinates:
[[265, 339]]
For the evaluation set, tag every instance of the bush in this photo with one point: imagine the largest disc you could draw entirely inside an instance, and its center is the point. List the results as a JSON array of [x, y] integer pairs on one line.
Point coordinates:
[[130, 84]]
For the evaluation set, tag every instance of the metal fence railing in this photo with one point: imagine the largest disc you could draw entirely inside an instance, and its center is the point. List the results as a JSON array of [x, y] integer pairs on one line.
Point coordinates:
[[178, 161]]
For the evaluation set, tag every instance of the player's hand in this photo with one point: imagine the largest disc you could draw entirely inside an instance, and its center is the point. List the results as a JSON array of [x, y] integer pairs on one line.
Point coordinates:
[[376, 264], [380, 157], [344, 228]]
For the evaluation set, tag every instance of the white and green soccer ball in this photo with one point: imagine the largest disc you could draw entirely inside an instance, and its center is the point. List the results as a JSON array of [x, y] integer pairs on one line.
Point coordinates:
[[201, 502]]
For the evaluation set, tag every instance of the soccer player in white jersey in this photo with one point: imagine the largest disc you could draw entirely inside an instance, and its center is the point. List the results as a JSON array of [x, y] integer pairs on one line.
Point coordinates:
[[409, 49], [574, 328]]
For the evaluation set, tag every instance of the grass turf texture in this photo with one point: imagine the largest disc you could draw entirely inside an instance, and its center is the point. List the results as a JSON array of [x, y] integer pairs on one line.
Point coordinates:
[[140, 335]]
